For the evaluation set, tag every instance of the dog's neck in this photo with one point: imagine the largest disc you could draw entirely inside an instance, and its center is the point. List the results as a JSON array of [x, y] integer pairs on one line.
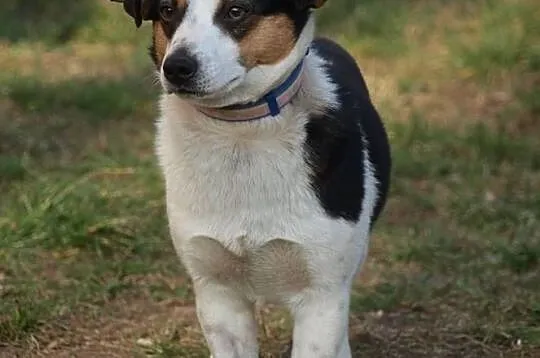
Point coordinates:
[[269, 104], [316, 96]]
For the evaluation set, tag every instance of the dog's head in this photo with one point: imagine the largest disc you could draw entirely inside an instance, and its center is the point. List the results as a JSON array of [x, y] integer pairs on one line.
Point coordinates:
[[221, 51]]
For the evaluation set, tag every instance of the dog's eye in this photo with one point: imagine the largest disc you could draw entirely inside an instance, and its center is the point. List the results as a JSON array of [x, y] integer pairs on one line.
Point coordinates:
[[237, 13], [166, 12]]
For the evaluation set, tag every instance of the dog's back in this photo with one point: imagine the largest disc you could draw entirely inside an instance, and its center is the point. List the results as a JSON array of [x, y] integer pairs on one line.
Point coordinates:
[[336, 139]]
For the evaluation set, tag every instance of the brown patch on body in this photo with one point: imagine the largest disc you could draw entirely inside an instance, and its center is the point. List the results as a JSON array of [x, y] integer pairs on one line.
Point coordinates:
[[269, 41], [276, 268]]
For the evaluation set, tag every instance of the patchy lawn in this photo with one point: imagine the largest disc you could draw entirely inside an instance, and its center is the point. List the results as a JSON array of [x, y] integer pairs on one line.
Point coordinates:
[[86, 265]]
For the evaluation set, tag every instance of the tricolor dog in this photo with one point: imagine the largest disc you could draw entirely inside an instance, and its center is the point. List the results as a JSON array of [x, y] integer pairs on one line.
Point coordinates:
[[276, 166]]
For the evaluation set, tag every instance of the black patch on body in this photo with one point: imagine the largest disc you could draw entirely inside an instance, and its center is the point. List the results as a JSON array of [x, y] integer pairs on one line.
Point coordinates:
[[260, 8], [335, 141]]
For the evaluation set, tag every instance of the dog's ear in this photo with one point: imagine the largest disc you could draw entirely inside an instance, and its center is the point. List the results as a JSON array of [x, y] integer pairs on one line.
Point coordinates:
[[309, 4], [141, 10]]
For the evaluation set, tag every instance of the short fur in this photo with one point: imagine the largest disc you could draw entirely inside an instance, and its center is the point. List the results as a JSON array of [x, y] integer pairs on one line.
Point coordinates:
[[279, 209], [270, 40]]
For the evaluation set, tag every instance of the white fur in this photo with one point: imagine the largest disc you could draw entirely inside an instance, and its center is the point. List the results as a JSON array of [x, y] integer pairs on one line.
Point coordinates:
[[245, 184]]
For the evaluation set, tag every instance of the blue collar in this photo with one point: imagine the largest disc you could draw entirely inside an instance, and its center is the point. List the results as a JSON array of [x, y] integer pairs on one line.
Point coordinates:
[[269, 105]]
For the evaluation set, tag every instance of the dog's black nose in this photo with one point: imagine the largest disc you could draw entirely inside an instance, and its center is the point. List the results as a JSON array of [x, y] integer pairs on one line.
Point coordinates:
[[179, 67]]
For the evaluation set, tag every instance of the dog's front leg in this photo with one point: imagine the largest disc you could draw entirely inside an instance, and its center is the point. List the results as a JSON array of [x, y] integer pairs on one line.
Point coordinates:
[[321, 325], [227, 320]]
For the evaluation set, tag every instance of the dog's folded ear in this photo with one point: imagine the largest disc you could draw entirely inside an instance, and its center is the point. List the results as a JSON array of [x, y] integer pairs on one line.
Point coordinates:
[[309, 4], [141, 10]]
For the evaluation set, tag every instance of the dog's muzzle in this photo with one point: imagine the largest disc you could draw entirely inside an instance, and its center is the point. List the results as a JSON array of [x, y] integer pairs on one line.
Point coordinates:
[[180, 68]]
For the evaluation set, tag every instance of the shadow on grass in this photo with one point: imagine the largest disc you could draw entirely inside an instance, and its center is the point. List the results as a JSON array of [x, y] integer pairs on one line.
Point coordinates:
[[51, 21]]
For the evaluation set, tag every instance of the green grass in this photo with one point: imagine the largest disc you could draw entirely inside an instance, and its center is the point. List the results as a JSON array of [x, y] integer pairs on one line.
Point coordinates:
[[86, 264], [370, 25], [44, 21], [504, 44], [94, 97]]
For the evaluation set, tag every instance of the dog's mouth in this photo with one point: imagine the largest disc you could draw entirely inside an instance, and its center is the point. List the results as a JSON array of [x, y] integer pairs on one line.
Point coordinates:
[[184, 92], [195, 93]]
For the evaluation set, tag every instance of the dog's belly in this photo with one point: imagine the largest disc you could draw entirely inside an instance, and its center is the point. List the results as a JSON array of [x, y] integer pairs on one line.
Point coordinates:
[[268, 257]]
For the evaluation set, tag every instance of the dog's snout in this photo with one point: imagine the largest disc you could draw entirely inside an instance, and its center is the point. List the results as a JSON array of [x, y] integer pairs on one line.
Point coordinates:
[[180, 66]]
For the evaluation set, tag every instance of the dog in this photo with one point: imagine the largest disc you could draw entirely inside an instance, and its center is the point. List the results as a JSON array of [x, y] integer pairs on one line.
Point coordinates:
[[276, 166]]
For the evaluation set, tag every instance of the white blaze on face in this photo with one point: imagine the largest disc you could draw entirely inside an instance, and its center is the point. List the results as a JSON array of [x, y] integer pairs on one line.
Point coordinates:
[[217, 53]]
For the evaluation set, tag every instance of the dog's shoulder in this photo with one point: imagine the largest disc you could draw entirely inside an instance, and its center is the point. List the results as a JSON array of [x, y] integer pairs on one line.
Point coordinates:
[[341, 67]]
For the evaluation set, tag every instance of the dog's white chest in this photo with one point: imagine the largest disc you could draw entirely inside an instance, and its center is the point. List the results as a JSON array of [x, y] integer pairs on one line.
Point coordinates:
[[241, 209], [226, 186]]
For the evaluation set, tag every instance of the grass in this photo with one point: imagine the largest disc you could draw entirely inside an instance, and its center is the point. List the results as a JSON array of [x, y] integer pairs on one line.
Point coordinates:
[[94, 97], [44, 21], [86, 265]]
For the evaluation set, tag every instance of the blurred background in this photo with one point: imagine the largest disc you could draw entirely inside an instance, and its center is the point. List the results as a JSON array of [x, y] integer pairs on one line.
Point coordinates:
[[86, 266]]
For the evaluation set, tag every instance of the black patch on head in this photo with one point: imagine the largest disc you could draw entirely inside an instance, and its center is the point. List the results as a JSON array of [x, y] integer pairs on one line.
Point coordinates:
[[180, 11], [336, 141], [141, 10], [260, 8], [169, 27]]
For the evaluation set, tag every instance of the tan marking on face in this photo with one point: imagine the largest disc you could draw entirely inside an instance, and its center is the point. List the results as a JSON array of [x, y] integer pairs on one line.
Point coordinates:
[[160, 42], [319, 3], [269, 41], [273, 270]]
